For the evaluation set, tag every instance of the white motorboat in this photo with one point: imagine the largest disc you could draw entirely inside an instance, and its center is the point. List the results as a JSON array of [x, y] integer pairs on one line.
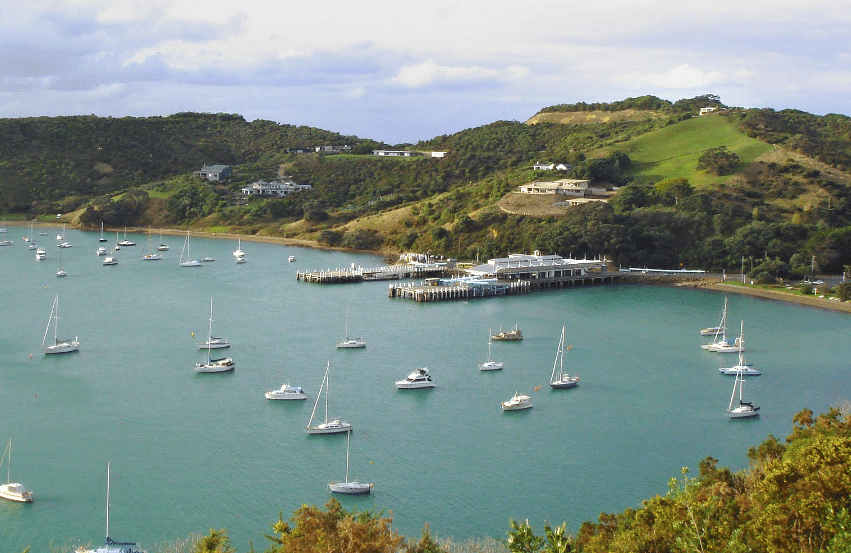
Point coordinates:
[[13, 491], [291, 258], [417, 379], [110, 546], [330, 426], [185, 257], [286, 392], [559, 379], [65, 245], [58, 346], [110, 260], [349, 342], [490, 364], [213, 342], [517, 403], [40, 254], [210, 365], [710, 331], [101, 251], [350, 487], [745, 369], [207, 260], [744, 409], [6, 242], [513, 335]]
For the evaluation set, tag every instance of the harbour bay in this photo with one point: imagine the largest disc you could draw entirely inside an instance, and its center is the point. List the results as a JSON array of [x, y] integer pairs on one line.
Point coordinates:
[[191, 452]]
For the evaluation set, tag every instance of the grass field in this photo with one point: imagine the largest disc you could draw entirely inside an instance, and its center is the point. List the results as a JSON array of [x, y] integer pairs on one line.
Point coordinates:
[[673, 151]]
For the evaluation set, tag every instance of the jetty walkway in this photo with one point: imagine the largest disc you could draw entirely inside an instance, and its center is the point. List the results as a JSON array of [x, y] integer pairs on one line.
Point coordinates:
[[360, 274], [440, 289]]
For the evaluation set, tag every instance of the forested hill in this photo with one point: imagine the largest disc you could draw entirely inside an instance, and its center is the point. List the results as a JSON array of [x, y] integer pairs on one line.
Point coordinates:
[[44, 160], [683, 189]]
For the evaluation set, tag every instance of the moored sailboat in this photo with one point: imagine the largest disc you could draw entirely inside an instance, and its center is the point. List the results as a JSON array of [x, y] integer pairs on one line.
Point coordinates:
[[559, 379], [13, 491], [350, 487], [490, 364], [110, 546], [185, 257], [58, 346], [329, 426]]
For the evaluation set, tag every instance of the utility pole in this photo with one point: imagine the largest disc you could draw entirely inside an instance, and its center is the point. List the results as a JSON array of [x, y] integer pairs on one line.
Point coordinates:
[[743, 269]]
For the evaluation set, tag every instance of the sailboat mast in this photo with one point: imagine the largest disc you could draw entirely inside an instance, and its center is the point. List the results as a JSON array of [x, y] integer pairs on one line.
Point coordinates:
[[327, 389], [9, 466], [348, 442], [107, 501]]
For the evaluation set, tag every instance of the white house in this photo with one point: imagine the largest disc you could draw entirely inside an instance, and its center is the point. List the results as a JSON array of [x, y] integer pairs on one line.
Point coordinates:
[[274, 188], [394, 153], [704, 111], [551, 166], [563, 187]]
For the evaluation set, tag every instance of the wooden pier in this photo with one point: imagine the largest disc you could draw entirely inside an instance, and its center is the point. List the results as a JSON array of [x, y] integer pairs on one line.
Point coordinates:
[[461, 289], [360, 274]]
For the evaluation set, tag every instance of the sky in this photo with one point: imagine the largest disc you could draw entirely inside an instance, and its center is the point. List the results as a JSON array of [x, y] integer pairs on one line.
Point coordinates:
[[401, 71]]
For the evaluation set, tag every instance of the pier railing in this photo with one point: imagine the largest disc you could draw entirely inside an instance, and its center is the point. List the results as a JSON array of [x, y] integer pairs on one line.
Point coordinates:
[[360, 274]]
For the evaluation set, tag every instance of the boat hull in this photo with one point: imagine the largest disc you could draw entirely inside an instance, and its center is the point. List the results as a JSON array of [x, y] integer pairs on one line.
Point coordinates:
[[744, 370], [215, 366], [62, 347], [333, 427], [405, 385], [15, 492], [350, 488], [564, 384], [491, 366], [742, 413], [213, 345], [351, 344], [516, 407]]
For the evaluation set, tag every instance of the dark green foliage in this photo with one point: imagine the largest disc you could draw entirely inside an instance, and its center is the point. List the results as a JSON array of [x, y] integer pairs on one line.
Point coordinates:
[[642, 102], [718, 161], [843, 291]]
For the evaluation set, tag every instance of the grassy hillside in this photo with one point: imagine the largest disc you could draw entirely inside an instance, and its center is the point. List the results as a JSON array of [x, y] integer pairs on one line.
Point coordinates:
[[673, 151]]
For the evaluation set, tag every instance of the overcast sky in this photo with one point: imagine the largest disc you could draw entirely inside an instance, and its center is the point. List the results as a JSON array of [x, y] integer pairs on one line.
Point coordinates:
[[401, 71]]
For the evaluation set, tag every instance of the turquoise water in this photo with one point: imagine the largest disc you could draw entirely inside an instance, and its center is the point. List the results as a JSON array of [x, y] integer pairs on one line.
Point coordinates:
[[191, 452]]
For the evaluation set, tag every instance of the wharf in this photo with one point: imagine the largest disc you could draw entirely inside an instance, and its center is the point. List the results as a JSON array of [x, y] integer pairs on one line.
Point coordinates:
[[360, 274], [467, 288]]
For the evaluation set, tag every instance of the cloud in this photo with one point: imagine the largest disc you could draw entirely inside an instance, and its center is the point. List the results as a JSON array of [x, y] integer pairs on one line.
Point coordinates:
[[430, 73]]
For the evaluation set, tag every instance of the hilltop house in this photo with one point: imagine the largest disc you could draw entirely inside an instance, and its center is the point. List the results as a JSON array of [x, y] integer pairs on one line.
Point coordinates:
[[551, 166], [274, 188], [214, 172], [563, 187]]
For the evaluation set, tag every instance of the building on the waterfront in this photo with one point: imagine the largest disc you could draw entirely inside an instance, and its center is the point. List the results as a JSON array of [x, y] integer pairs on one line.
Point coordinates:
[[536, 266], [214, 173], [274, 188]]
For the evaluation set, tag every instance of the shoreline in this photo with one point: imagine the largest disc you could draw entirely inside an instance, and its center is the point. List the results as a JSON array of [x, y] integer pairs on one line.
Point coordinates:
[[712, 284], [775, 295]]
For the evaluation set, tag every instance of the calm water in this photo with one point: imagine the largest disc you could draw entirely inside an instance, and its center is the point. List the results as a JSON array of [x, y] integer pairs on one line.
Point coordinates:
[[191, 452]]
